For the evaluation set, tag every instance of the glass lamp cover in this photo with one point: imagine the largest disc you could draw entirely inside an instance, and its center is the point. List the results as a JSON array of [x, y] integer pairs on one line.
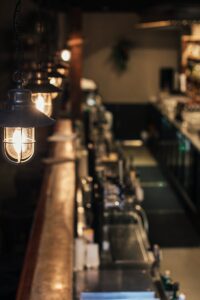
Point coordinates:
[[54, 95], [43, 102], [19, 143]]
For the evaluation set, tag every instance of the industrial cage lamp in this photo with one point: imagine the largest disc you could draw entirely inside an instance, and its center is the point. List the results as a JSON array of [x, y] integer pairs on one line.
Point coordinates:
[[55, 77], [19, 120], [42, 92], [20, 117], [62, 68]]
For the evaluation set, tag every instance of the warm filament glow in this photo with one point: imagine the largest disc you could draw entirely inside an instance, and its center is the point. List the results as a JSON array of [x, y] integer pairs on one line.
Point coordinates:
[[39, 103], [43, 103], [54, 95], [19, 143]]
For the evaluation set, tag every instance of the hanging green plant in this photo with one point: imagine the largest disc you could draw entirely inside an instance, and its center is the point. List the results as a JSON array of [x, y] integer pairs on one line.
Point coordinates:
[[120, 54]]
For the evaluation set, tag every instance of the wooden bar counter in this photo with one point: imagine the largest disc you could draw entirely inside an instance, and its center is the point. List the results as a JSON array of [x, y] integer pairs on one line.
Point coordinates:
[[48, 265]]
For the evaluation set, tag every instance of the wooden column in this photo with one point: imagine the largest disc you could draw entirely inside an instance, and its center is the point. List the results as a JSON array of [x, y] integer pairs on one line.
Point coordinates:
[[76, 45]]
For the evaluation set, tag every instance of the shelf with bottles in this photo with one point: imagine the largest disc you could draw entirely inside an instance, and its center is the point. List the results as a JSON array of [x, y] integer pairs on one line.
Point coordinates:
[[192, 69], [190, 49], [191, 66], [193, 89], [193, 58]]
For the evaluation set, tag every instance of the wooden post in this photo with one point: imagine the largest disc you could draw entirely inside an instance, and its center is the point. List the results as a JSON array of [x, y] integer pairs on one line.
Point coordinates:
[[76, 45]]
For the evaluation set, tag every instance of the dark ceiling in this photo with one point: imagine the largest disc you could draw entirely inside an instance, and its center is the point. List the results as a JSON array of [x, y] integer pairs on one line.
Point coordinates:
[[147, 10], [138, 6]]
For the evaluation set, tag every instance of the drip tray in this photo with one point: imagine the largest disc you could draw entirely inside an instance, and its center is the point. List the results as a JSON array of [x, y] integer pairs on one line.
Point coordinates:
[[108, 283], [129, 244]]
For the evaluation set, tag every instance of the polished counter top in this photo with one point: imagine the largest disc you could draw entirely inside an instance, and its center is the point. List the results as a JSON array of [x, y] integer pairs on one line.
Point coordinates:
[[53, 266]]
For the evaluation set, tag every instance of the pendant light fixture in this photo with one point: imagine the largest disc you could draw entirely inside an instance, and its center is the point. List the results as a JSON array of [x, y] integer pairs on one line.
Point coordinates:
[[55, 77], [19, 121], [42, 91], [61, 66], [62, 69], [20, 117]]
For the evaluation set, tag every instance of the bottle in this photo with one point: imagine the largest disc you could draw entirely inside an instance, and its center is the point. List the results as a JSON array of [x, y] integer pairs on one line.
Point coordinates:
[[87, 129], [175, 288], [121, 171], [165, 278], [183, 84], [98, 208], [91, 160]]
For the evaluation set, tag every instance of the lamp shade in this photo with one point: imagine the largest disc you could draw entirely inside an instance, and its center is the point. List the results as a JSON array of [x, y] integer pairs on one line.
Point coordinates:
[[43, 92], [55, 77], [21, 112], [40, 83]]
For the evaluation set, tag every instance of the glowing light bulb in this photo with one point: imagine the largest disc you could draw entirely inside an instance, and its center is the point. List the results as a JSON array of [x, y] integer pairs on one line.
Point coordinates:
[[43, 103], [19, 143], [52, 80], [39, 103], [65, 55]]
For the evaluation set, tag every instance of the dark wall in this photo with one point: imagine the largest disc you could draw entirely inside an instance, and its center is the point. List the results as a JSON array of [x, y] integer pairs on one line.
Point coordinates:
[[129, 119]]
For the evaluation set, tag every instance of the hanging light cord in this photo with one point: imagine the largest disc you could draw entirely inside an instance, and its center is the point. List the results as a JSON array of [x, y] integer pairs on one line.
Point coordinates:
[[39, 45], [18, 76]]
